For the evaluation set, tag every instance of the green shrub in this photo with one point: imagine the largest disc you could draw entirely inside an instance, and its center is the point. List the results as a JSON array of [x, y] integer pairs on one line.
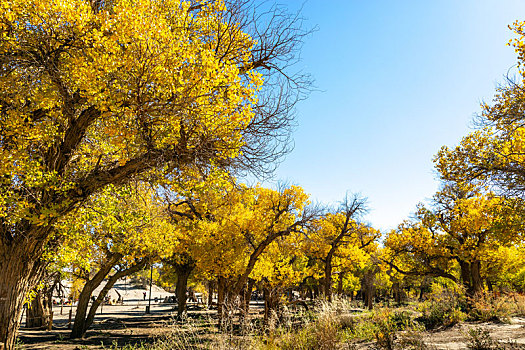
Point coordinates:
[[479, 339], [443, 308]]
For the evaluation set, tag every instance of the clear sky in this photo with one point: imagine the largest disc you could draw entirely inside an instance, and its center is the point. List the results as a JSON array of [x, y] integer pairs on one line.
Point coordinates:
[[398, 80]]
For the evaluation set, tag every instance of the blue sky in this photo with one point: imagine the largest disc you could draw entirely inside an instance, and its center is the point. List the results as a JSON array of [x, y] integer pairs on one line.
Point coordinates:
[[397, 80]]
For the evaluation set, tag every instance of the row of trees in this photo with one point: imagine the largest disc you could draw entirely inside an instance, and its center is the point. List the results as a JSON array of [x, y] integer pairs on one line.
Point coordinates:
[[227, 235], [233, 238]]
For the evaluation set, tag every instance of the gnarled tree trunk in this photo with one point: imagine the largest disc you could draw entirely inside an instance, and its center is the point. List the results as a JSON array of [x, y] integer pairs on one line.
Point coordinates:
[[39, 313], [20, 270], [471, 276]]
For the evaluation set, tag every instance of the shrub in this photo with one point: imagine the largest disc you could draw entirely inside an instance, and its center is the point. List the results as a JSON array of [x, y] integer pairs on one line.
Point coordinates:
[[385, 329], [518, 306], [479, 339], [412, 339], [485, 307], [443, 308]]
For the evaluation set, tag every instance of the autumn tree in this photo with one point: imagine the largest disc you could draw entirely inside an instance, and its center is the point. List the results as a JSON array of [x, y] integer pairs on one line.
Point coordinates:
[[281, 267], [117, 233], [495, 153], [234, 226], [464, 226], [339, 233], [98, 92]]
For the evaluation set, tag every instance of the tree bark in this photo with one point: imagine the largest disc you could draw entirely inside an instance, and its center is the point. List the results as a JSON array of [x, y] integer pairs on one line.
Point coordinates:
[[267, 304], [248, 294], [471, 277], [183, 273], [210, 293], [39, 312], [328, 275], [79, 325], [368, 289], [340, 283], [475, 272], [38, 315], [221, 293], [20, 270]]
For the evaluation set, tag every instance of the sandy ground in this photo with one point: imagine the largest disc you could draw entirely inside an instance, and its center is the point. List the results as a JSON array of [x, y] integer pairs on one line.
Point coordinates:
[[455, 337]]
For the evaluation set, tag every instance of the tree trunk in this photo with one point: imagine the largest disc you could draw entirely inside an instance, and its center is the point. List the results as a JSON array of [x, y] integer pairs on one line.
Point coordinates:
[[396, 292], [210, 293], [221, 289], [489, 285], [20, 270], [471, 277], [79, 325], [475, 272], [267, 304], [271, 302], [340, 283], [316, 291], [183, 273], [248, 295], [139, 265], [38, 314], [368, 288], [465, 276], [328, 278]]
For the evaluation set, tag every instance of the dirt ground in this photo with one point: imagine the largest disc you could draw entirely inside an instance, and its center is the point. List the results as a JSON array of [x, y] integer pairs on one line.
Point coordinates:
[[455, 337], [121, 325]]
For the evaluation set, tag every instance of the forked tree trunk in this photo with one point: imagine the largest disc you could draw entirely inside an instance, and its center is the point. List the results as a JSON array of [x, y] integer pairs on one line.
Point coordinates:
[[83, 318], [471, 277], [20, 270], [107, 287], [79, 325], [271, 302]]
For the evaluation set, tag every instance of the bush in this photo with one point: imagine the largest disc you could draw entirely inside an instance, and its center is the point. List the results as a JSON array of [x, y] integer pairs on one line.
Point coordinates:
[[486, 307], [320, 329], [412, 339], [479, 339], [389, 325], [443, 308], [518, 306]]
